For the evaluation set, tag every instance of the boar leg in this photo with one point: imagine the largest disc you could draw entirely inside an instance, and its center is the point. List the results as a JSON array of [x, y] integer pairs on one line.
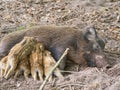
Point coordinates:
[[1, 72], [56, 53], [50, 78], [58, 73], [17, 73], [10, 70], [40, 74], [46, 72], [34, 73], [6, 69], [26, 73]]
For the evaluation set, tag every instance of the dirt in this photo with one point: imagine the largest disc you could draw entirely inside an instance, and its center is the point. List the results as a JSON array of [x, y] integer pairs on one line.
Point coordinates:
[[103, 14]]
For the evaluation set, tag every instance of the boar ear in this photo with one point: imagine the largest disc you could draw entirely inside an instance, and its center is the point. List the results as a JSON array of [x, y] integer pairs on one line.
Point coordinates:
[[101, 42], [90, 34]]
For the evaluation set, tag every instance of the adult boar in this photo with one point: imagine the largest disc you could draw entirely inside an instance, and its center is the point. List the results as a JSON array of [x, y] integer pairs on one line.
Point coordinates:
[[56, 39]]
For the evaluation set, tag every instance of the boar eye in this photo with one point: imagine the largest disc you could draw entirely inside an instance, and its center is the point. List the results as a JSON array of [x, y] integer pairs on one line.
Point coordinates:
[[91, 64], [96, 47]]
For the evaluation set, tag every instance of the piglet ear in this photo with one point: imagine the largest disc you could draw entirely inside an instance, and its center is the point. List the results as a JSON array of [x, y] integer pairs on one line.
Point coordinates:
[[23, 41], [90, 33], [47, 53]]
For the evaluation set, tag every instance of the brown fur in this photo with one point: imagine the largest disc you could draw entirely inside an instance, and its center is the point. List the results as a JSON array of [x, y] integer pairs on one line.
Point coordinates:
[[5, 47], [36, 61], [56, 39], [3, 64], [24, 66], [51, 36], [49, 62], [65, 37], [17, 53]]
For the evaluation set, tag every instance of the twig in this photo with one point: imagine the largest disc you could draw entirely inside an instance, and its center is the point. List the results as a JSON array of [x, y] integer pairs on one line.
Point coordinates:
[[97, 70], [71, 85], [53, 83], [113, 52], [80, 83], [56, 65], [73, 88], [68, 71]]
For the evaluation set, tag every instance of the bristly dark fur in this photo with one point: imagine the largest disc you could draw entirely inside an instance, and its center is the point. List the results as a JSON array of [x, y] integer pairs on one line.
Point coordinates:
[[56, 39]]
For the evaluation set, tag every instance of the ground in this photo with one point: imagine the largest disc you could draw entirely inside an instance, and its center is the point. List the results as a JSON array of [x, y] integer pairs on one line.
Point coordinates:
[[103, 14]]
